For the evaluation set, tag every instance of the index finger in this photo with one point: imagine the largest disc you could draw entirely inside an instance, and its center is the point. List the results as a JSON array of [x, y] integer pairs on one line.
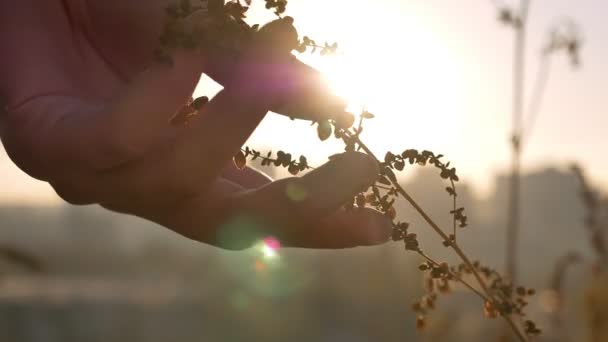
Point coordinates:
[[305, 94]]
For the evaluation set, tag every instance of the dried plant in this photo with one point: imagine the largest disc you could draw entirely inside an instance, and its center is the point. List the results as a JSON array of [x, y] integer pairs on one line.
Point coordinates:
[[596, 226], [596, 220], [555, 295], [224, 28], [563, 36]]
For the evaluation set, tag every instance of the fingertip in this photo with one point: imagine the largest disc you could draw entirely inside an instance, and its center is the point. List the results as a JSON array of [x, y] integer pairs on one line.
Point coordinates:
[[366, 227], [379, 229], [347, 229]]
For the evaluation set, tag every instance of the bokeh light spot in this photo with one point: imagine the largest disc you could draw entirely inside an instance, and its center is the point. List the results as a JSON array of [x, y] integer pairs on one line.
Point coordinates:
[[260, 266], [270, 247], [296, 192]]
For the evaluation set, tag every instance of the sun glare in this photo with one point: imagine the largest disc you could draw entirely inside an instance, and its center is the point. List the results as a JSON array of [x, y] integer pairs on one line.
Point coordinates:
[[399, 69]]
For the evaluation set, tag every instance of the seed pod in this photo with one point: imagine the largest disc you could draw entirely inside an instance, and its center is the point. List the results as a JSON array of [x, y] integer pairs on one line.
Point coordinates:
[[443, 286], [392, 213], [420, 322], [293, 169], [489, 311], [430, 302]]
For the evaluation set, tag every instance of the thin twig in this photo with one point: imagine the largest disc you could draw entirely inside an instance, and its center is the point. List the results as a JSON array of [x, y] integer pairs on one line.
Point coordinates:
[[536, 100], [477, 292], [442, 234], [519, 69], [454, 208]]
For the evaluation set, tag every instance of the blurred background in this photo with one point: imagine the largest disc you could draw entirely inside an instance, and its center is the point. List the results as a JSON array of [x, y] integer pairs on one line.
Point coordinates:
[[437, 75]]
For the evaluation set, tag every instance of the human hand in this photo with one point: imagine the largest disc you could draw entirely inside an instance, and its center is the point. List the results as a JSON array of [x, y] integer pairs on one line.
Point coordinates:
[[84, 116]]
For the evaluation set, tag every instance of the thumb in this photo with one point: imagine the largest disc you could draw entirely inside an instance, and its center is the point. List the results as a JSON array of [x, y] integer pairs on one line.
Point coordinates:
[[307, 211]]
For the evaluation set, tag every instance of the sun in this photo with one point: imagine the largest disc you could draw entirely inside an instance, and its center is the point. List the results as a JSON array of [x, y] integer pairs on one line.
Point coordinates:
[[392, 61], [399, 69]]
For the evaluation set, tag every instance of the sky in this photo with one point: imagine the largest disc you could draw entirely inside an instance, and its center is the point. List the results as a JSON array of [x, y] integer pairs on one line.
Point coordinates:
[[437, 75]]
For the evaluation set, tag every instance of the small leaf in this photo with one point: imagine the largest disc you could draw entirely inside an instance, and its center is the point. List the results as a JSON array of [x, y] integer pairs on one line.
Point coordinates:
[[389, 158], [303, 163], [293, 169], [324, 130], [240, 160], [360, 200], [199, 102], [399, 165], [376, 194], [286, 160], [367, 115]]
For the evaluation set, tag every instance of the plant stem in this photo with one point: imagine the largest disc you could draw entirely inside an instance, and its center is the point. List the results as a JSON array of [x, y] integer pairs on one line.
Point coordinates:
[[443, 235], [536, 99], [519, 69], [477, 292], [454, 208]]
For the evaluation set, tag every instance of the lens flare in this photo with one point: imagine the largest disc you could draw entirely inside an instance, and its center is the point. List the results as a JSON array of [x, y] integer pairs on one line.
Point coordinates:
[[270, 247]]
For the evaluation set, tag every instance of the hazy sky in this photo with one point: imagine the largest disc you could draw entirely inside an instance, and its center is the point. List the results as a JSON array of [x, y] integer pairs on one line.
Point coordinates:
[[437, 74]]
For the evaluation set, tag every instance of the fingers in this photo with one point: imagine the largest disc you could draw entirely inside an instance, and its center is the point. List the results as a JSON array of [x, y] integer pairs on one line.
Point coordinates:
[[300, 212], [304, 93], [186, 163], [188, 216], [297, 90], [248, 178], [289, 86], [345, 229], [197, 156], [140, 116], [67, 130], [318, 193]]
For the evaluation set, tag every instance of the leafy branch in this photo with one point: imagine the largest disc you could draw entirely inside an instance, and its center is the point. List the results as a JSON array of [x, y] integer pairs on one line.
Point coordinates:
[[223, 27]]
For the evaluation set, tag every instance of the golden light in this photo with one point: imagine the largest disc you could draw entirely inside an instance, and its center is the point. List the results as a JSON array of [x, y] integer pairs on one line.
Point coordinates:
[[394, 61], [399, 68]]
